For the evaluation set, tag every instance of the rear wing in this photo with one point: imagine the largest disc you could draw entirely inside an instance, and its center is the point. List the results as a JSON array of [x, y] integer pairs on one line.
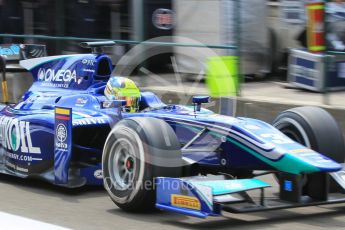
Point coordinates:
[[11, 54]]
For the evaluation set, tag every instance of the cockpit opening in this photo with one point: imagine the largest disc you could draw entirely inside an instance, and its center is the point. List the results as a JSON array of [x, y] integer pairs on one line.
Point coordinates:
[[104, 69]]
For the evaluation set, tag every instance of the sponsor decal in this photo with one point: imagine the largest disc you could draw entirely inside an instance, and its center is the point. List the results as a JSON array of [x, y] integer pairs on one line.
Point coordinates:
[[61, 132], [16, 167], [15, 136], [10, 51], [98, 174], [81, 102], [185, 202], [163, 19], [88, 62], [89, 70], [90, 121], [63, 144], [19, 157], [61, 75], [301, 151], [277, 138], [61, 129], [107, 104]]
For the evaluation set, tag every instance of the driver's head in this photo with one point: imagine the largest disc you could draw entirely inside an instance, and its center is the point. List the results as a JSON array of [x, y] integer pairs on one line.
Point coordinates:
[[121, 88]]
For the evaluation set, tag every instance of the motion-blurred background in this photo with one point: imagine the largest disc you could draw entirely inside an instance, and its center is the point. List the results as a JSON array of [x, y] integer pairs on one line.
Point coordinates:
[[268, 27], [268, 36]]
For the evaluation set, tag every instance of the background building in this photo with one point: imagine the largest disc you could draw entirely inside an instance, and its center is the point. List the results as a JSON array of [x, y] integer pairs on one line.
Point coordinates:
[[123, 20]]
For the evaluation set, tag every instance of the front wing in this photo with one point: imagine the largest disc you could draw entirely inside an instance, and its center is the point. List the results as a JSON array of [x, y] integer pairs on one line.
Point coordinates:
[[204, 196]]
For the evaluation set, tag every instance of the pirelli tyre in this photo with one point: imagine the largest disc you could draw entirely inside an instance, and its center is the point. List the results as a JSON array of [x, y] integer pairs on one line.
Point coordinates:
[[316, 129], [136, 151]]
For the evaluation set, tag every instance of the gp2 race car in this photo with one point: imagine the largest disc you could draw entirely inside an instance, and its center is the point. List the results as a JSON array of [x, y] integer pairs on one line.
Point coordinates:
[[179, 158]]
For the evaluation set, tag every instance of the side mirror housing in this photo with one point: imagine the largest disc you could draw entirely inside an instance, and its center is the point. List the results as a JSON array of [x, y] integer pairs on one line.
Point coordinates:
[[201, 99], [198, 101]]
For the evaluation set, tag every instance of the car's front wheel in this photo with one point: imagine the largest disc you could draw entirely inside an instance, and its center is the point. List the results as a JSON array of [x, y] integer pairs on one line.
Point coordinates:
[[136, 151], [314, 128]]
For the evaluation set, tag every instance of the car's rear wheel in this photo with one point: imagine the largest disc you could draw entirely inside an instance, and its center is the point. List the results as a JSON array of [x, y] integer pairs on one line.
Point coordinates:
[[136, 151]]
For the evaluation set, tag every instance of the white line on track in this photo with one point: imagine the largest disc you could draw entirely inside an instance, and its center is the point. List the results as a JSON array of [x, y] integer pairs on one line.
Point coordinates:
[[13, 222]]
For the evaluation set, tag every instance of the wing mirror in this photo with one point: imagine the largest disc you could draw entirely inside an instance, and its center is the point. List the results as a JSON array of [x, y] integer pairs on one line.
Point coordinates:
[[198, 101]]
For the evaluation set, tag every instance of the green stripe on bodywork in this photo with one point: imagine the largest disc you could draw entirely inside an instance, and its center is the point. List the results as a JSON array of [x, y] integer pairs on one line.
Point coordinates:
[[288, 163]]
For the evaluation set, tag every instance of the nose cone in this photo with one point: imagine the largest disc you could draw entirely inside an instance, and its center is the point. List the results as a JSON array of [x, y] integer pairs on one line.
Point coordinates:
[[283, 153], [304, 160]]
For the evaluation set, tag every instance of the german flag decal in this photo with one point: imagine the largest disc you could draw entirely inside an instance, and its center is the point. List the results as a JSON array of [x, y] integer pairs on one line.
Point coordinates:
[[185, 202]]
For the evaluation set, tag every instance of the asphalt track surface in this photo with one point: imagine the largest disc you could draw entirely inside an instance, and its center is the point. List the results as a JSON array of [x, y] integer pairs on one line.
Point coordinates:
[[90, 208]]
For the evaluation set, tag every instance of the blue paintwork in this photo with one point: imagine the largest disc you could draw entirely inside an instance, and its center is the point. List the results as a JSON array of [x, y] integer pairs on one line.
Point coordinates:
[[200, 190], [166, 187], [63, 145], [93, 175], [201, 99], [182, 211], [78, 81]]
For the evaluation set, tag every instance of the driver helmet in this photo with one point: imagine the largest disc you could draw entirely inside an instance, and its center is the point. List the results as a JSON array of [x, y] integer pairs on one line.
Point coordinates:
[[121, 88]]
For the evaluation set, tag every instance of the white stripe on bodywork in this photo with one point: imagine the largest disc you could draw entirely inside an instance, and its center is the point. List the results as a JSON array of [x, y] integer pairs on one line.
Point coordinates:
[[265, 150], [29, 64], [84, 115], [266, 146]]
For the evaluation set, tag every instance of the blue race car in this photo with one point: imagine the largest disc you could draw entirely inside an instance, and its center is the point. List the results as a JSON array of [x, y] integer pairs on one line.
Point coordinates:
[[77, 126]]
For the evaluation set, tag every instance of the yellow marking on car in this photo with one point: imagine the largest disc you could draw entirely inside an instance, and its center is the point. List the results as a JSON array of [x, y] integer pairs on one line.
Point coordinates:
[[302, 151], [185, 202], [62, 111]]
